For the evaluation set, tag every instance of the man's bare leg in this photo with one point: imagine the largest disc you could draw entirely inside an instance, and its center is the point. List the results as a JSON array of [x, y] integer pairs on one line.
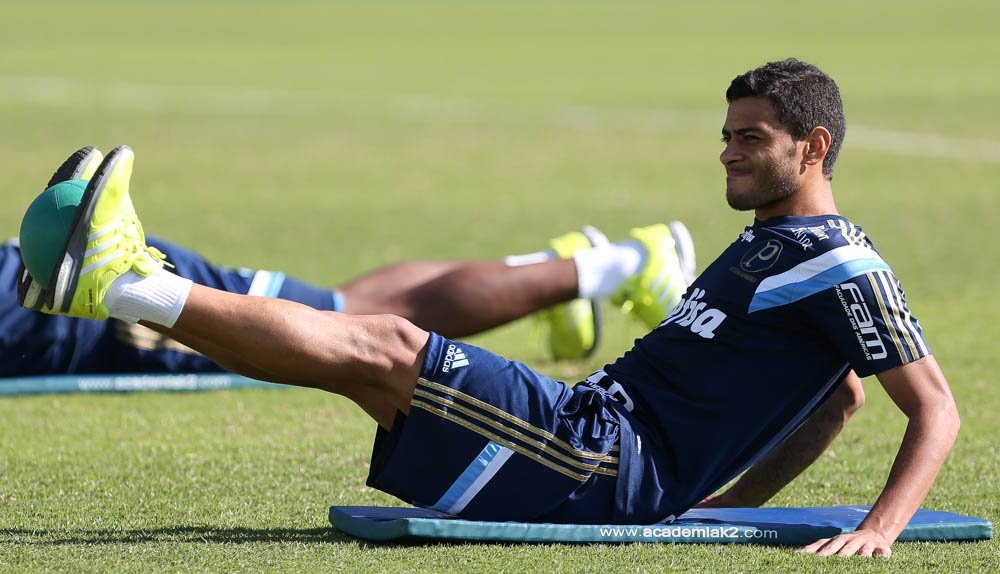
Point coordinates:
[[459, 299], [387, 283], [373, 360], [452, 298]]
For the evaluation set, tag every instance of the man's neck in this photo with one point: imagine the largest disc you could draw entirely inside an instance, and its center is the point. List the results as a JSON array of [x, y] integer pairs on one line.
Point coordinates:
[[816, 199]]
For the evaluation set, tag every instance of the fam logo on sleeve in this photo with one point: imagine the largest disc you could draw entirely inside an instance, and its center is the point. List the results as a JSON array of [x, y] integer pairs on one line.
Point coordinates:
[[861, 320]]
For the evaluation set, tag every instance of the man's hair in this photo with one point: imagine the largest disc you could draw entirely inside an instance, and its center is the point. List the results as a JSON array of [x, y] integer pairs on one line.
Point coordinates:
[[803, 97]]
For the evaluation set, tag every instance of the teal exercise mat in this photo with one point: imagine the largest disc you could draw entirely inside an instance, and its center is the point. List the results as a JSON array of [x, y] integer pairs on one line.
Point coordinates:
[[771, 526], [130, 383]]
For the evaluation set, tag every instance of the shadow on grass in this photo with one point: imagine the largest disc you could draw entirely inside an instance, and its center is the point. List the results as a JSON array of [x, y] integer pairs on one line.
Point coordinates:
[[187, 534]]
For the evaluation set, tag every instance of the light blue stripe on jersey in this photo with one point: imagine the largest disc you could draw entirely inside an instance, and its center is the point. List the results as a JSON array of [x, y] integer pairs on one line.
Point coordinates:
[[473, 478], [274, 285], [338, 301], [266, 283], [818, 274]]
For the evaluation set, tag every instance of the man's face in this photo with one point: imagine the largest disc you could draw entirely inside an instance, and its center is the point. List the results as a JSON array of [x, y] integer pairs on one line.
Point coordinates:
[[762, 160]]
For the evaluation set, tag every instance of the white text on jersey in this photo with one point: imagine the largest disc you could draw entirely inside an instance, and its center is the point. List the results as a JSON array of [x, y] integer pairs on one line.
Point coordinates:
[[696, 315], [861, 320]]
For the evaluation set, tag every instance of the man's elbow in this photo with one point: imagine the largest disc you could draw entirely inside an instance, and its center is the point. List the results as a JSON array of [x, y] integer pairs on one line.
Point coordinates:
[[953, 420], [943, 415], [851, 394]]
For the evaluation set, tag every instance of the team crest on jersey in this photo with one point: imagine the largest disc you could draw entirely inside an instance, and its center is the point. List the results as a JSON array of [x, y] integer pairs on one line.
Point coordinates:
[[762, 257], [696, 315]]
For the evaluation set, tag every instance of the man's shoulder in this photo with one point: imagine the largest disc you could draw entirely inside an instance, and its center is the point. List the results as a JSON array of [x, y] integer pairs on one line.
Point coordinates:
[[815, 255], [817, 235], [818, 241]]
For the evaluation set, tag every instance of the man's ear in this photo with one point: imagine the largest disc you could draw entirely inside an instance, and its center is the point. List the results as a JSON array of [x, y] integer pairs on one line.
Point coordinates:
[[818, 143]]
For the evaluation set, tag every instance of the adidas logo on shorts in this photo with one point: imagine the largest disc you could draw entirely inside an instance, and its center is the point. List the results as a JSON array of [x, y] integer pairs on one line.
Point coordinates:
[[454, 358]]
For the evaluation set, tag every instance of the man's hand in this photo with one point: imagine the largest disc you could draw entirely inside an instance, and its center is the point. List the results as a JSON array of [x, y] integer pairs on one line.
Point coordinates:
[[857, 543]]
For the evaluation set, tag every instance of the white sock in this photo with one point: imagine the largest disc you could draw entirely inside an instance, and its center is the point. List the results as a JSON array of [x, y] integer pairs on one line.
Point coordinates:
[[528, 259], [157, 298], [600, 271]]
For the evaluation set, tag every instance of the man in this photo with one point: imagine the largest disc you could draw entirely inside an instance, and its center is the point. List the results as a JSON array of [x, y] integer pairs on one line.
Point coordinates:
[[764, 335], [449, 297]]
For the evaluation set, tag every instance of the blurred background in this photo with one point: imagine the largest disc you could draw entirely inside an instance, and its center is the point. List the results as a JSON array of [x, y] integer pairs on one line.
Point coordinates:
[[327, 138]]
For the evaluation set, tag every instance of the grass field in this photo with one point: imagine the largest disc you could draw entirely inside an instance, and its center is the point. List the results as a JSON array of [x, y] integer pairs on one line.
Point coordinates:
[[327, 138]]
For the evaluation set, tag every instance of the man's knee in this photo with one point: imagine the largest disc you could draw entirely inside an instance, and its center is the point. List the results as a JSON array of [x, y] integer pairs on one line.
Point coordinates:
[[388, 356], [386, 347], [401, 342]]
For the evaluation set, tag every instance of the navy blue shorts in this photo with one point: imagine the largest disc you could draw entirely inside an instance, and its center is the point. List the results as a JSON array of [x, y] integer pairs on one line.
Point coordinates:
[[490, 439], [33, 343]]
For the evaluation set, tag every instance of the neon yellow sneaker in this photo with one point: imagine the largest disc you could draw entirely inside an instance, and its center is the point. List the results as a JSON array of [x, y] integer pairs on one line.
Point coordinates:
[[652, 293], [574, 327], [105, 242], [81, 165], [684, 246]]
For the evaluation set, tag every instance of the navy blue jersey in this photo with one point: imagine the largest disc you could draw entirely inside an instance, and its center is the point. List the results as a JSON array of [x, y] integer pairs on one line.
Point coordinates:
[[759, 341], [33, 343]]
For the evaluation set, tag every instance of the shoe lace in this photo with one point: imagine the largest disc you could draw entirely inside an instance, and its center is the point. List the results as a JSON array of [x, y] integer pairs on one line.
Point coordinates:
[[138, 246]]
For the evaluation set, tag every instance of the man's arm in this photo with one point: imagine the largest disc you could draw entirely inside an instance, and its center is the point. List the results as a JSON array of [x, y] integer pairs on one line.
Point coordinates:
[[787, 460], [921, 391]]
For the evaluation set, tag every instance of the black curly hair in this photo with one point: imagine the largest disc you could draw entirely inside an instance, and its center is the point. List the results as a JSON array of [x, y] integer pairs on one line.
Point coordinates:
[[803, 97]]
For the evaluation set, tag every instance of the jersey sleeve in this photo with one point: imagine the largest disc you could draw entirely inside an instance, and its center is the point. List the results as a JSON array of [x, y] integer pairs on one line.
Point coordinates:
[[867, 319]]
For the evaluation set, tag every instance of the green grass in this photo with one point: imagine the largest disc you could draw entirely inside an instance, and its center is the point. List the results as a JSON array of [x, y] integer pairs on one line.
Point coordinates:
[[327, 138]]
